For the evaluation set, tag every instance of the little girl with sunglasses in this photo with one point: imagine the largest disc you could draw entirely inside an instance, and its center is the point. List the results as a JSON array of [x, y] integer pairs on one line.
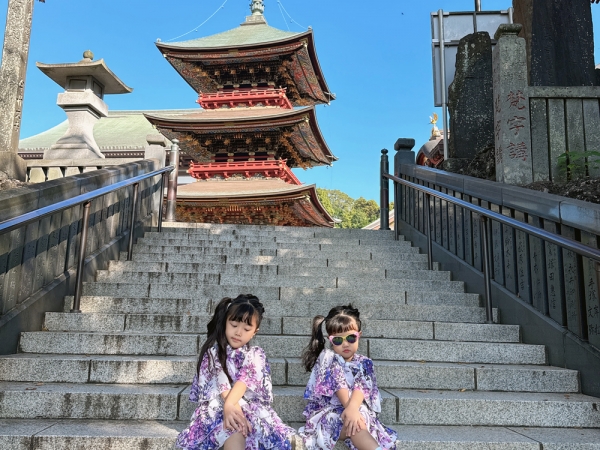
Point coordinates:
[[233, 386], [342, 393]]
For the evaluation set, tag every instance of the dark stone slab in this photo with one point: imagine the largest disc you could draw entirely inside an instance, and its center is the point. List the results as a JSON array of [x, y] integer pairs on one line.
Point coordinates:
[[554, 60], [470, 98]]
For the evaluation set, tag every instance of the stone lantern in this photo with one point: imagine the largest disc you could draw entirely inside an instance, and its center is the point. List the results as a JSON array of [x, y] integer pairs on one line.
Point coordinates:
[[85, 83]]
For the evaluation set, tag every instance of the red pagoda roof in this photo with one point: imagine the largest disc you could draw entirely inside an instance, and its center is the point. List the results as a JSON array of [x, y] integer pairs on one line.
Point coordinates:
[[253, 54], [298, 128]]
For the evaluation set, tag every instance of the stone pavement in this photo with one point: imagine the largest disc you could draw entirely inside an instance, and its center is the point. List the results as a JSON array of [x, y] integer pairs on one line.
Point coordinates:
[[117, 376]]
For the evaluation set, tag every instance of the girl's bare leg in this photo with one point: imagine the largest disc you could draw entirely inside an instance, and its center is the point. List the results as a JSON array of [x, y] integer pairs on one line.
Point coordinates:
[[361, 440], [236, 441]]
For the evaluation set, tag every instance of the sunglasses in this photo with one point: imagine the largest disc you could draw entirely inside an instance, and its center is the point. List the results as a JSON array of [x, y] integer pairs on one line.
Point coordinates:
[[339, 340]]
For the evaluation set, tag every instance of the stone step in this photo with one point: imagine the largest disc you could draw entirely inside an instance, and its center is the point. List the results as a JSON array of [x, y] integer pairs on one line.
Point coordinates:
[[407, 407], [290, 248], [69, 434], [319, 277], [279, 346], [169, 233], [475, 408], [21, 400], [305, 267], [293, 231], [411, 306], [251, 282], [279, 257], [202, 239], [125, 369], [300, 326]]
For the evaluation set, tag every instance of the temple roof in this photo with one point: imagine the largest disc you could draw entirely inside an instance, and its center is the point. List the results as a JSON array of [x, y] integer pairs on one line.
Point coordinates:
[[121, 130], [244, 35], [302, 199], [304, 135], [253, 47]]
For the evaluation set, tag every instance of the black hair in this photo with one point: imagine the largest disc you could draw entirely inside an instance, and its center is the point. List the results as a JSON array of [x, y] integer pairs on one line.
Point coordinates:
[[339, 320], [243, 308]]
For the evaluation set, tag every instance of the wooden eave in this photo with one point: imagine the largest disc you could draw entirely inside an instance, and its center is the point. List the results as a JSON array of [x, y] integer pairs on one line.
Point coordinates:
[[319, 215], [229, 123], [275, 48]]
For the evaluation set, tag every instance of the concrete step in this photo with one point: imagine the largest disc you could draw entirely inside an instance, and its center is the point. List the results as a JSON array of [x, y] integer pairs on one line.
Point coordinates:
[[301, 326], [251, 282], [403, 306], [68, 434], [279, 257], [292, 268], [125, 369], [89, 401], [289, 275], [279, 346]]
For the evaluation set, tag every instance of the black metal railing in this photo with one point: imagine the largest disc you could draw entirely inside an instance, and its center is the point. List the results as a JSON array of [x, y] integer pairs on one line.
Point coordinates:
[[454, 217], [127, 223]]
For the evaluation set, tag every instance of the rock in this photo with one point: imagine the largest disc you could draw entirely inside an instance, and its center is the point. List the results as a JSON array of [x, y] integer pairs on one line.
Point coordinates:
[[470, 99], [552, 59]]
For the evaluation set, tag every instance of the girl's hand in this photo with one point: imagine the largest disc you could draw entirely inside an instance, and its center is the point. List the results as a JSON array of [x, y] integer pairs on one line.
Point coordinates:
[[234, 419], [353, 421]]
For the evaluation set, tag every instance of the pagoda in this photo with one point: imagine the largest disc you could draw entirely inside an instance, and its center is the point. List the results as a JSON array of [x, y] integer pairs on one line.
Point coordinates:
[[257, 88]]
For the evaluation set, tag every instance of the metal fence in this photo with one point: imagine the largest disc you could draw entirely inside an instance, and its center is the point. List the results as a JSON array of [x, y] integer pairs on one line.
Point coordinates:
[[541, 248]]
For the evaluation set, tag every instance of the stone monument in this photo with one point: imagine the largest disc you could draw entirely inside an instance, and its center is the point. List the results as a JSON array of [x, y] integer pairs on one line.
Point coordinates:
[[85, 84], [512, 130], [12, 85], [470, 101], [560, 41]]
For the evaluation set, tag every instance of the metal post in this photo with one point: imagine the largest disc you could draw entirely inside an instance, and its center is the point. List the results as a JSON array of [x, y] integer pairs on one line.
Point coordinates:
[[163, 182], [81, 259], [384, 206], [172, 191], [477, 5], [428, 225], [489, 313], [443, 82], [132, 219], [397, 201]]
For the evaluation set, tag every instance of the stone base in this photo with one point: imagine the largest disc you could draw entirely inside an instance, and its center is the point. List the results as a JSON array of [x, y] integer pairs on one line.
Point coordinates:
[[13, 165], [456, 165], [71, 152]]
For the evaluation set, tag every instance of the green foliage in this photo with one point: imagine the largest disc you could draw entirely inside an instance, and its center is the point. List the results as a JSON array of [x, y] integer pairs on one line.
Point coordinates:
[[352, 213], [573, 165]]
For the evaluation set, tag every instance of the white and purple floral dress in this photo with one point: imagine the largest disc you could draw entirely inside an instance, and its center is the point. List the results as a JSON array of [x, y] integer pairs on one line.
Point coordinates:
[[323, 411], [250, 366]]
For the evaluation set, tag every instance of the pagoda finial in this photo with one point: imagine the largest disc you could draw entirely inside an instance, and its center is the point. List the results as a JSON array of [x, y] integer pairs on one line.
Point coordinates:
[[257, 7]]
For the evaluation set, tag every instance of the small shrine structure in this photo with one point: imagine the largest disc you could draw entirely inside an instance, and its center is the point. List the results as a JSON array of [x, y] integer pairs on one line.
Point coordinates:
[[258, 87]]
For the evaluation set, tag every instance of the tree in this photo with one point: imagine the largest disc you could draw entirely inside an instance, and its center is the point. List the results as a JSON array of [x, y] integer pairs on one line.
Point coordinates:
[[352, 213]]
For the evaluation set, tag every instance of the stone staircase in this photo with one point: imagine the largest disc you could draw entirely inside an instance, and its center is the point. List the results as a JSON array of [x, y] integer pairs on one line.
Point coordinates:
[[117, 376]]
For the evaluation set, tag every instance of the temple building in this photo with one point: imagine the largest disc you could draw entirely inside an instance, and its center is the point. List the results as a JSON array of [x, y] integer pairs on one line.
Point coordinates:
[[258, 87]]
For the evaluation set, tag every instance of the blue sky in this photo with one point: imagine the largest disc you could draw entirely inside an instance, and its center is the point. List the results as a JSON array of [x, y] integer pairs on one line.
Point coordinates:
[[376, 57]]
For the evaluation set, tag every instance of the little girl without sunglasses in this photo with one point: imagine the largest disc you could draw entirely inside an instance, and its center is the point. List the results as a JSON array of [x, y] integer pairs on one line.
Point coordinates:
[[342, 393], [233, 386]]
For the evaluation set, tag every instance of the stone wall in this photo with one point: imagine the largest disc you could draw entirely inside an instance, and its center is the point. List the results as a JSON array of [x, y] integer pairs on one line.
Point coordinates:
[[37, 261]]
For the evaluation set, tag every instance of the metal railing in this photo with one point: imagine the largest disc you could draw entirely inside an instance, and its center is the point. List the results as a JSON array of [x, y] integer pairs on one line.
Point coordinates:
[[486, 217], [85, 200]]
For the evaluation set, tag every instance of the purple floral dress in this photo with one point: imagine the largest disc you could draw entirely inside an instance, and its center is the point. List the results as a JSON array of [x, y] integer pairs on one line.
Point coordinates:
[[249, 365], [323, 411]]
